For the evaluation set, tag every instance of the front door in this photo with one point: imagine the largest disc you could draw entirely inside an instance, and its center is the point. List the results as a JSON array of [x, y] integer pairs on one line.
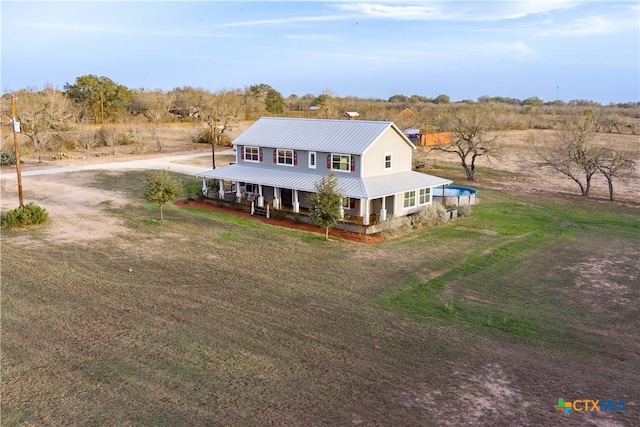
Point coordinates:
[[286, 194]]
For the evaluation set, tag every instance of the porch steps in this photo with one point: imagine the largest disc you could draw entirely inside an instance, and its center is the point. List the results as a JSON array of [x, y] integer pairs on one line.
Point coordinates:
[[260, 211]]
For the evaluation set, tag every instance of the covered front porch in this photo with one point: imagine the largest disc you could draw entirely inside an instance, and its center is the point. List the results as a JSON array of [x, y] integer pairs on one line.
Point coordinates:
[[367, 201], [264, 199]]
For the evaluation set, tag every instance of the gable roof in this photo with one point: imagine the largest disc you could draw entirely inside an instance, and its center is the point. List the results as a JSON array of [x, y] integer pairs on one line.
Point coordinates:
[[330, 135]]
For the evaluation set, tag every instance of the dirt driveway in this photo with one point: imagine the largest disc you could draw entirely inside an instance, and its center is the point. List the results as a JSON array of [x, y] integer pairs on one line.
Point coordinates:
[[78, 210]]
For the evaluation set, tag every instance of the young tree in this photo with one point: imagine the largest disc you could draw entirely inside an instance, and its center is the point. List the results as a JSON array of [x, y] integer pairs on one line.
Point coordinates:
[[161, 188], [470, 137], [326, 203]]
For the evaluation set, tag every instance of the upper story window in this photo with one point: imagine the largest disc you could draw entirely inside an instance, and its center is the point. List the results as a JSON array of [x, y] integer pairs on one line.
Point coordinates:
[[285, 157], [387, 161], [340, 162], [312, 159], [251, 154]]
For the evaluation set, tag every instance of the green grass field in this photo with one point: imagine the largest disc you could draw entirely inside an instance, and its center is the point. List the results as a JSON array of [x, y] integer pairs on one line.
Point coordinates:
[[227, 321]]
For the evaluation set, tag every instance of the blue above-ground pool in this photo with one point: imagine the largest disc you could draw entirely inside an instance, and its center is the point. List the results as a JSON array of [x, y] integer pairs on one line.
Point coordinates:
[[455, 195]]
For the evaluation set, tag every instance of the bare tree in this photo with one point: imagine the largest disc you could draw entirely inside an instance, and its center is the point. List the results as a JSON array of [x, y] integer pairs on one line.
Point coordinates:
[[154, 106], [573, 152], [471, 138], [220, 112], [614, 164], [43, 114]]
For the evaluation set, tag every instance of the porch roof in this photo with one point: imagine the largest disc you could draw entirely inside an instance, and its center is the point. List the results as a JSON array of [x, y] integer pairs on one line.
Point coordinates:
[[349, 186]]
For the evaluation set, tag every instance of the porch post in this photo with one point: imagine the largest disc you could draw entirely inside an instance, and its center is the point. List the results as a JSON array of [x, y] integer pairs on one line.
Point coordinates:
[[383, 210], [260, 198], [364, 205], [342, 209], [238, 193], [296, 204], [276, 197], [204, 186], [221, 188]]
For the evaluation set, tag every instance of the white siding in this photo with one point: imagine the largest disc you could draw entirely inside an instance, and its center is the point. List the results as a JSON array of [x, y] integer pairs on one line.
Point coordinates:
[[388, 142]]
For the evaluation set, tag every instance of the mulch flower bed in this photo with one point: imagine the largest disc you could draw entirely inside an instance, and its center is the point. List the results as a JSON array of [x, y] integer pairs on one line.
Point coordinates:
[[284, 222]]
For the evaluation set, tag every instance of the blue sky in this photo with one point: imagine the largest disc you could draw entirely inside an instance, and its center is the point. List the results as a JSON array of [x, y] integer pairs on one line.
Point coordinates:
[[369, 49]]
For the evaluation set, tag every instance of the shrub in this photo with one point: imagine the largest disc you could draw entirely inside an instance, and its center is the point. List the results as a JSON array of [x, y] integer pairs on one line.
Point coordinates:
[[237, 204], [464, 210], [31, 214], [202, 137], [278, 214], [58, 156], [191, 191], [434, 215], [7, 158]]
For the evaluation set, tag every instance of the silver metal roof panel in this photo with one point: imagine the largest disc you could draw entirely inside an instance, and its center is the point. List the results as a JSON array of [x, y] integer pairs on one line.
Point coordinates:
[[329, 135], [350, 186]]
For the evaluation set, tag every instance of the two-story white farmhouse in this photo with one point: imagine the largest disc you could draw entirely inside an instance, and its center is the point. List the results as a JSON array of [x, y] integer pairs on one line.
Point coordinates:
[[280, 160]]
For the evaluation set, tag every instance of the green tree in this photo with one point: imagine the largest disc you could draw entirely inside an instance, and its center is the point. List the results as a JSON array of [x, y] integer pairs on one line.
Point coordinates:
[[326, 203], [161, 188], [98, 97], [266, 96], [442, 99]]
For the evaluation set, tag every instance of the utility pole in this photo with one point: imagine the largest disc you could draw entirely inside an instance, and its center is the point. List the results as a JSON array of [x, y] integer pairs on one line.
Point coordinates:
[[15, 124]]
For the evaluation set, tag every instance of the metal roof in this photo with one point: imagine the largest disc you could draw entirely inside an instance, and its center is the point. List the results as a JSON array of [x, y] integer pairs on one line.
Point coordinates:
[[350, 186], [329, 135]]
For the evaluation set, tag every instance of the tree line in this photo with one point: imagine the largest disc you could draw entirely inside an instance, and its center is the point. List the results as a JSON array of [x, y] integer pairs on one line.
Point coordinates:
[[49, 115]]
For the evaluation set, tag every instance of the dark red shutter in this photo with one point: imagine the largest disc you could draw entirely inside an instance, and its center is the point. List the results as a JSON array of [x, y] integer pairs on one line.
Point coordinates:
[[275, 156], [353, 163], [352, 203], [329, 161], [260, 153], [295, 158], [242, 153]]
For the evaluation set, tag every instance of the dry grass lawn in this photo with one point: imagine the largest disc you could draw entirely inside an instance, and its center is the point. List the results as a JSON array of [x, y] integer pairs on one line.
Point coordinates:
[[110, 317]]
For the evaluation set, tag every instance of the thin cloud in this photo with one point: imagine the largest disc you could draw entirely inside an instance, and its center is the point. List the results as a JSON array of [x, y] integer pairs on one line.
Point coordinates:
[[330, 37], [394, 12], [280, 21], [122, 30], [592, 25], [458, 11]]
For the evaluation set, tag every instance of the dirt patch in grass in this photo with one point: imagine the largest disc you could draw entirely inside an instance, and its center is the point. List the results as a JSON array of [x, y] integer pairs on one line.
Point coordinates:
[[287, 223]]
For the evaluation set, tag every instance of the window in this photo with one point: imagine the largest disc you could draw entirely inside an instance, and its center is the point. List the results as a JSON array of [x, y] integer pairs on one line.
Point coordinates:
[[285, 157], [387, 161], [409, 199], [424, 196], [252, 154], [312, 159], [340, 162], [348, 203]]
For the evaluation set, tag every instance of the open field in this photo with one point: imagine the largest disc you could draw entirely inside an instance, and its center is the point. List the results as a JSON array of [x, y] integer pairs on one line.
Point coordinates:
[[110, 317]]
